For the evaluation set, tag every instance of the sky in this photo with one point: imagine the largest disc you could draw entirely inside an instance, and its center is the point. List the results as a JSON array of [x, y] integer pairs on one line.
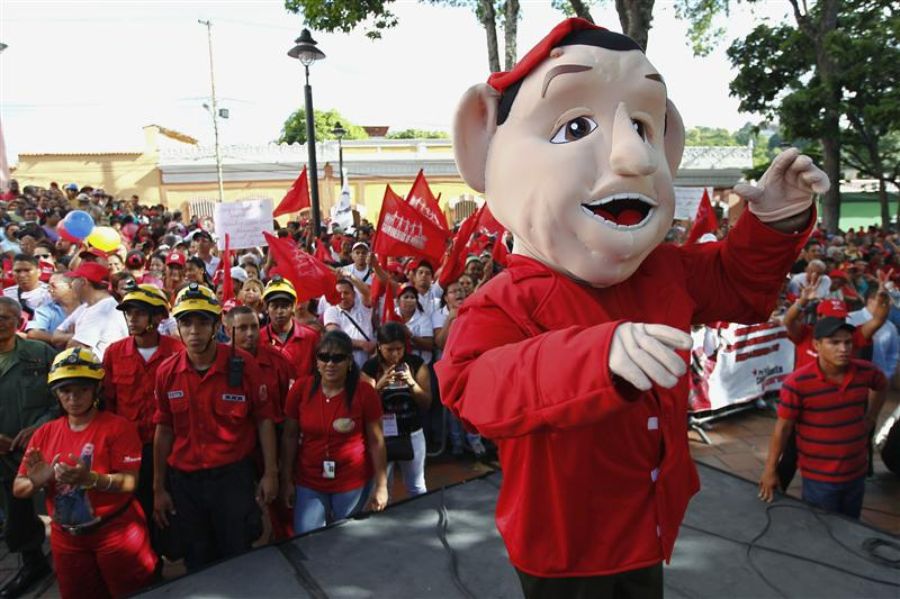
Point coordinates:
[[86, 76]]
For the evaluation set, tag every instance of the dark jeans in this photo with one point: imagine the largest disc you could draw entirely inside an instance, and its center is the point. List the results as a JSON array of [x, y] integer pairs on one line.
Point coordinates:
[[843, 498], [216, 511], [645, 583], [24, 530]]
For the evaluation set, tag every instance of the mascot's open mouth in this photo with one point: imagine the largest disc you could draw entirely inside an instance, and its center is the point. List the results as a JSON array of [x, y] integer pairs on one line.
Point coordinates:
[[622, 210]]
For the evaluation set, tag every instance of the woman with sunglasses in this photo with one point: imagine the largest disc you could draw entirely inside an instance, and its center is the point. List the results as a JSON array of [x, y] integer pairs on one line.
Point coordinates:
[[339, 421], [88, 461], [404, 384]]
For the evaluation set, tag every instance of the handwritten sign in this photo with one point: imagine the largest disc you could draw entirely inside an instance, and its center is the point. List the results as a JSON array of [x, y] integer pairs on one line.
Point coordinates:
[[244, 221], [687, 199]]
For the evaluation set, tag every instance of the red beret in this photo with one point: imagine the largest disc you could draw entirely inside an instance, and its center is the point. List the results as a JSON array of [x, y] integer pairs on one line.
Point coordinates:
[[503, 79]]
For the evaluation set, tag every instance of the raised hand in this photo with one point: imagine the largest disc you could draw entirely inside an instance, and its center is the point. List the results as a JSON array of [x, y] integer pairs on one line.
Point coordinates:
[[786, 188], [809, 291], [645, 354]]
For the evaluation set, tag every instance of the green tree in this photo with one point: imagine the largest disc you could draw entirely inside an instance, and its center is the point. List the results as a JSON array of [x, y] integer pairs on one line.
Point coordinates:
[[418, 134], [294, 129], [709, 136]]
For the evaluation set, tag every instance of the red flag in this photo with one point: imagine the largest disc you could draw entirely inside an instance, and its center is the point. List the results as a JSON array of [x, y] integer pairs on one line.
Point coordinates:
[[323, 253], [705, 222], [421, 198], [455, 264], [486, 228], [296, 198], [311, 278], [404, 231], [390, 310], [500, 252], [225, 264]]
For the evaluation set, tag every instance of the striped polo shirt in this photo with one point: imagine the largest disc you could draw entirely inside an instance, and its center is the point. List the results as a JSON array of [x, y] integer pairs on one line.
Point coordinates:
[[830, 419]]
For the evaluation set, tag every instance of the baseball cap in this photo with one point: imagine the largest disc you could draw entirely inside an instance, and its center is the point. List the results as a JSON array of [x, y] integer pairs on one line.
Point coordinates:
[[92, 271], [71, 186], [831, 308], [239, 274], [828, 326], [200, 233], [134, 259], [176, 259], [360, 244], [83, 197]]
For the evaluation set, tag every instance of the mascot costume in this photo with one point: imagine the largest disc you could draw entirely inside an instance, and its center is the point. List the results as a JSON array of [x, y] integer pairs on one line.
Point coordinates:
[[573, 359]]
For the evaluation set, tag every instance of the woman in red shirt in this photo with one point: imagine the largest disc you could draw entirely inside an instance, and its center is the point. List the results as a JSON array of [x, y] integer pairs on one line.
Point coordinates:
[[99, 538], [342, 448]]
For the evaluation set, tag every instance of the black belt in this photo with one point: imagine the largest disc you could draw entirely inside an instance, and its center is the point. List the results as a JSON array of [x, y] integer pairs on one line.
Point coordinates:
[[78, 530]]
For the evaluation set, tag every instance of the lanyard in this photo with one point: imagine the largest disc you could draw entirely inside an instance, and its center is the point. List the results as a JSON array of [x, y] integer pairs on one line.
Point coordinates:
[[328, 425]]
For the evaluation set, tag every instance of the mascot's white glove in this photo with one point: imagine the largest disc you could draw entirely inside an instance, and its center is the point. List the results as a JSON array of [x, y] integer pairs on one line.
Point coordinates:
[[644, 354], [786, 188]]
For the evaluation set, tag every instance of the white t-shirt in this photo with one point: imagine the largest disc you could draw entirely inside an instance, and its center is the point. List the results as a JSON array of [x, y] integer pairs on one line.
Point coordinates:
[[100, 325], [362, 316], [420, 326], [431, 299], [35, 298], [364, 275]]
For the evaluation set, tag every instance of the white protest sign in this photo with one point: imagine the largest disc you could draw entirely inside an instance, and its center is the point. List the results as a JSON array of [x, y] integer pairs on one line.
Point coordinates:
[[244, 221], [687, 199]]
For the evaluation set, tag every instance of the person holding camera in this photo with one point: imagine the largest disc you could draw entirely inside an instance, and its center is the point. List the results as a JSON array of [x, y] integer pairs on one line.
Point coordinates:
[[404, 385]]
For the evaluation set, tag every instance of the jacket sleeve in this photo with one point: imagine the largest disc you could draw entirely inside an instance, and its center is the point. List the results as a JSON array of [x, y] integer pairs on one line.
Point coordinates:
[[504, 383], [739, 279]]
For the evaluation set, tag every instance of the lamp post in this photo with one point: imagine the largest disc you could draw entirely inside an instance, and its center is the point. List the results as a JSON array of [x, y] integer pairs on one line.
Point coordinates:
[[340, 132], [306, 52], [214, 111]]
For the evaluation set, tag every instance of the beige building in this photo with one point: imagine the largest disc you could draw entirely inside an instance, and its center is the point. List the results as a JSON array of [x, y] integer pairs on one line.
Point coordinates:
[[173, 170]]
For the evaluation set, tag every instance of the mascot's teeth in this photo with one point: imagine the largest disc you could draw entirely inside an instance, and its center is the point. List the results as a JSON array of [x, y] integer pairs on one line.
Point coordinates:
[[622, 196]]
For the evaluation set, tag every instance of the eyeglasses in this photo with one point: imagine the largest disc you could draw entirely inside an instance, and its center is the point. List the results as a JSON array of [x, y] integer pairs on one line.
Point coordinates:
[[335, 358]]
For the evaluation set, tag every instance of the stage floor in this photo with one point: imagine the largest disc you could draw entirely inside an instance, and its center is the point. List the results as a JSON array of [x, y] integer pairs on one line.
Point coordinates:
[[445, 544]]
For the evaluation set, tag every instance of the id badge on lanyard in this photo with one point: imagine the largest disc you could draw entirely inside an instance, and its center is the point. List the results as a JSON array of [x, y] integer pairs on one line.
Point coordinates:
[[328, 469]]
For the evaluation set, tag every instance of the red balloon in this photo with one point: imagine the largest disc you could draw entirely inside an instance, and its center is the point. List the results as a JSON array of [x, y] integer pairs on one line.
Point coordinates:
[[61, 229]]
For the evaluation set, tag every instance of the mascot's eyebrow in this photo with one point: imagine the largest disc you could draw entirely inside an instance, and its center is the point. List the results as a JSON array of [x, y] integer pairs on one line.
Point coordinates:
[[559, 70], [655, 77]]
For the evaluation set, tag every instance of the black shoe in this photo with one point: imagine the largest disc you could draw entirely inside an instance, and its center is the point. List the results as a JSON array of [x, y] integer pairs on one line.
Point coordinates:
[[24, 579]]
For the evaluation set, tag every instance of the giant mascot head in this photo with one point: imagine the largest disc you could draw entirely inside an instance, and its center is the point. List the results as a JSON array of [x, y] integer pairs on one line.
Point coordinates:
[[575, 149]]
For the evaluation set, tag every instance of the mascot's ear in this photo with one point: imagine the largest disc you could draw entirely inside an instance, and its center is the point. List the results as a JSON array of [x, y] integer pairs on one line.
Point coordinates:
[[674, 138], [473, 128]]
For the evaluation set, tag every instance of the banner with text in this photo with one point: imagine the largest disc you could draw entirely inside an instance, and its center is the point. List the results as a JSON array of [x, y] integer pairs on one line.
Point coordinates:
[[687, 200], [244, 221]]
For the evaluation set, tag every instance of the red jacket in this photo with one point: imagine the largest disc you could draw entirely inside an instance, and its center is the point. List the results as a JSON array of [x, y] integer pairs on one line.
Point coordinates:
[[596, 476], [298, 348], [129, 380], [277, 373], [214, 423]]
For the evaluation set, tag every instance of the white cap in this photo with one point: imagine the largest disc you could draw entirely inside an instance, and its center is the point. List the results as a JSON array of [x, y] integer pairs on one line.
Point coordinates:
[[239, 273]]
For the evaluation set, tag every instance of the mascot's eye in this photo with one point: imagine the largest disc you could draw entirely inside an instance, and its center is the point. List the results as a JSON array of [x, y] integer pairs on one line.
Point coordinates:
[[639, 128], [573, 130]]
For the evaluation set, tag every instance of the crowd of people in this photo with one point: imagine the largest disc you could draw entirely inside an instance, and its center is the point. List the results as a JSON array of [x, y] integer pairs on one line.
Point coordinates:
[[170, 404]]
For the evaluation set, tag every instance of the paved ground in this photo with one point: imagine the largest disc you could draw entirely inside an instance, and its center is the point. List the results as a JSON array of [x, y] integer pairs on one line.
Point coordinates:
[[739, 445]]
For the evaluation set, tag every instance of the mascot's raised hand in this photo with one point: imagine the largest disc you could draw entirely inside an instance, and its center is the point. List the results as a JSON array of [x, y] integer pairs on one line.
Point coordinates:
[[786, 188]]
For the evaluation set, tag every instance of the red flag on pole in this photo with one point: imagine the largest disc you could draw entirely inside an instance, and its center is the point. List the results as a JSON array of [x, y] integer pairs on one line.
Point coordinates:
[[456, 261], [225, 265], [296, 198], [421, 198], [404, 231], [311, 278], [705, 222]]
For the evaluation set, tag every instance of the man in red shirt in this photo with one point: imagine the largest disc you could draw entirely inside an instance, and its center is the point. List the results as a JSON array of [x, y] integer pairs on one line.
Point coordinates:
[[211, 401], [295, 340], [833, 403], [572, 359], [131, 365]]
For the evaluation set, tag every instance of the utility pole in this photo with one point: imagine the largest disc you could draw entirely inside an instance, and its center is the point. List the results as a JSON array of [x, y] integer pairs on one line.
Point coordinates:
[[215, 110]]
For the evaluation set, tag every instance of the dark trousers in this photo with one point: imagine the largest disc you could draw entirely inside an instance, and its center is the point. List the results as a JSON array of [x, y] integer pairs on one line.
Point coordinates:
[[645, 583], [24, 530], [216, 512], [843, 498]]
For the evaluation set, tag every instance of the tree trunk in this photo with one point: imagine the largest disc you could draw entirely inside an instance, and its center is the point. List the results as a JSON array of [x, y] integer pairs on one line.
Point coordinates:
[[635, 17], [488, 17], [581, 10], [831, 145], [510, 30], [883, 201]]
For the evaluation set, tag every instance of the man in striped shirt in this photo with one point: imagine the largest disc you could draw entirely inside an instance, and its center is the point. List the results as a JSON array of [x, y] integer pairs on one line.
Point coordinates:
[[833, 402]]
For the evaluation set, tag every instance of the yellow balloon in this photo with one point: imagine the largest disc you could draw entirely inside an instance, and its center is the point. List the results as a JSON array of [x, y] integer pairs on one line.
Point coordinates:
[[105, 239]]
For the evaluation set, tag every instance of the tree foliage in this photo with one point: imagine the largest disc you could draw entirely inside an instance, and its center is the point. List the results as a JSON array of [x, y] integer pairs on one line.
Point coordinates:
[[346, 15], [294, 129], [418, 134]]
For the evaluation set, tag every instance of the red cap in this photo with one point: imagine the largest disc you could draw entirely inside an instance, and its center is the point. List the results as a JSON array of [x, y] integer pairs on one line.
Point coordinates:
[[229, 305], [834, 308], [502, 80], [838, 274], [176, 258], [92, 271]]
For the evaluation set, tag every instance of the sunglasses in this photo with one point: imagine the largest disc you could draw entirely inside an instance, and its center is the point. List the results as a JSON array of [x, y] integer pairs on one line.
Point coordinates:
[[336, 358]]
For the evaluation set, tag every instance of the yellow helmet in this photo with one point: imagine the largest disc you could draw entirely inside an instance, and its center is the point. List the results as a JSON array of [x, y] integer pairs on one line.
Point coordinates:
[[74, 363], [279, 287], [146, 294], [196, 298]]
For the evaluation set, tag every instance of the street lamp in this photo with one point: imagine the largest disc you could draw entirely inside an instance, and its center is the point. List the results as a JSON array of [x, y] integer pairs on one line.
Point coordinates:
[[306, 52], [340, 132]]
